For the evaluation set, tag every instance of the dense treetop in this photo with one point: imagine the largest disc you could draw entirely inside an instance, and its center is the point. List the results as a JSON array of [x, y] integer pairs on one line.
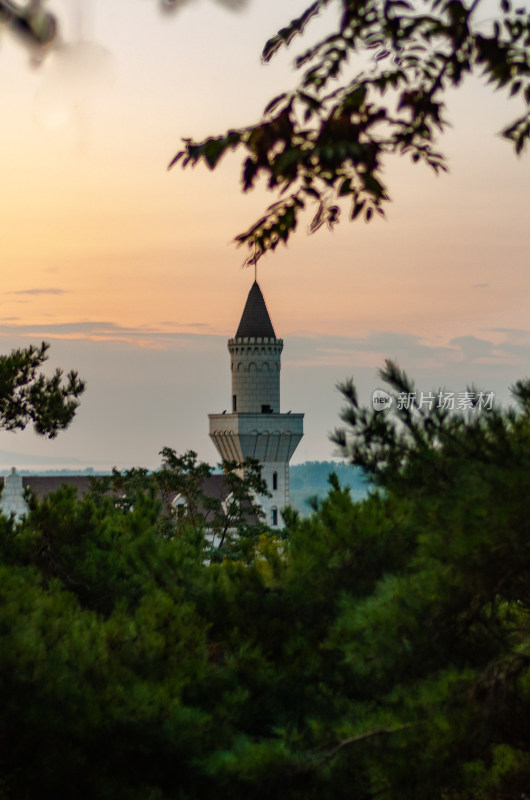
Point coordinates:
[[380, 649]]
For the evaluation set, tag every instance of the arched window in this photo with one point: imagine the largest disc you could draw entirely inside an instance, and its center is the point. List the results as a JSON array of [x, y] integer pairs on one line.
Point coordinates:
[[181, 509], [240, 367], [274, 516], [252, 367], [265, 367], [274, 481]]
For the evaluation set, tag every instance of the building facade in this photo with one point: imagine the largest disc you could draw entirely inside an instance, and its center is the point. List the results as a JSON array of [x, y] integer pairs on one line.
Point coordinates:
[[255, 427]]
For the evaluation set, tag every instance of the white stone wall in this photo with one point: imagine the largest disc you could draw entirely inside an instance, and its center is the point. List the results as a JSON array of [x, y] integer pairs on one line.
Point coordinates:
[[266, 437], [12, 499], [280, 496], [255, 364]]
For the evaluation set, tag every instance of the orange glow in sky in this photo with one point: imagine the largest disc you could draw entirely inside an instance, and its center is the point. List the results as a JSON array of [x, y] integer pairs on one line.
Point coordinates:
[[100, 243]]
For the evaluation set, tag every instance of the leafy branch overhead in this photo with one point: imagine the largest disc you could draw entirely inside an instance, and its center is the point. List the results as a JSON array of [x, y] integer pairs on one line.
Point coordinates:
[[327, 139], [40, 28]]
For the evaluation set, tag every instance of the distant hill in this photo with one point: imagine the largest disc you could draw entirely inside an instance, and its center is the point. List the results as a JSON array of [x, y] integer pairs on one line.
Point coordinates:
[[310, 479]]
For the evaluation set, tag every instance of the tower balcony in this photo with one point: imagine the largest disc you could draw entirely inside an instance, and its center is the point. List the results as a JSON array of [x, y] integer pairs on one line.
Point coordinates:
[[265, 437]]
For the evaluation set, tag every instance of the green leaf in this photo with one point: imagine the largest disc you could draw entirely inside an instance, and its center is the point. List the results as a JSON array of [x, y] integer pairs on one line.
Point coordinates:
[[345, 188], [358, 206], [274, 103], [213, 149]]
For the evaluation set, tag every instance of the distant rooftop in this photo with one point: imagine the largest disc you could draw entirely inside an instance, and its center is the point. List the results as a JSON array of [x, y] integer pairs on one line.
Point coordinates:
[[255, 320]]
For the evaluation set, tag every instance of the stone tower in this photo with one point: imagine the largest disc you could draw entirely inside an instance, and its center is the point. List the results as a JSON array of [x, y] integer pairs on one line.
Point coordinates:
[[255, 428], [12, 500]]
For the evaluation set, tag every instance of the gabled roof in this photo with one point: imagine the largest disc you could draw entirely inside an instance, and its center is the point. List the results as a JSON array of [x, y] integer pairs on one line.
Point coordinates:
[[42, 485], [214, 487], [255, 320]]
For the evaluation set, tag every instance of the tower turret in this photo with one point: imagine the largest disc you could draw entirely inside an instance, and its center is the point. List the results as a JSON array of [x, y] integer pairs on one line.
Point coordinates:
[[255, 360], [256, 428]]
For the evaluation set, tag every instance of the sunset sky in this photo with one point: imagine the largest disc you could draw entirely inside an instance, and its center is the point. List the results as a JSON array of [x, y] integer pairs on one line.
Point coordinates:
[[130, 273]]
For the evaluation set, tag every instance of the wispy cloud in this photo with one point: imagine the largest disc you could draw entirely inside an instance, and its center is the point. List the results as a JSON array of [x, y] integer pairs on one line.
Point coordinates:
[[202, 326], [371, 349], [38, 291], [476, 350], [408, 349], [150, 337], [518, 332]]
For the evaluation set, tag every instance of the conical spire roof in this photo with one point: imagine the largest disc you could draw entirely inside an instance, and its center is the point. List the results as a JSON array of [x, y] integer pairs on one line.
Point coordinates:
[[255, 320]]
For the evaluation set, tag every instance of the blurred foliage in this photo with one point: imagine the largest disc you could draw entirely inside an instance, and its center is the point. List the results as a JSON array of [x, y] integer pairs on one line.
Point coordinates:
[[30, 21], [381, 650], [27, 395], [188, 495], [328, 139], [38, 26]]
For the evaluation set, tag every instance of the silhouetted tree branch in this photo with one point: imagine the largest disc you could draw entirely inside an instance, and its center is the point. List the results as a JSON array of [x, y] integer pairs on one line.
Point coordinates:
[[28, 396], [328, 139]]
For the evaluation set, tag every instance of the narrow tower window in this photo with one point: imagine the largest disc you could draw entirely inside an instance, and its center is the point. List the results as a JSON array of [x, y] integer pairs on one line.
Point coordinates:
[[234, 403], [274, 481], [274, 516], [181, 510]]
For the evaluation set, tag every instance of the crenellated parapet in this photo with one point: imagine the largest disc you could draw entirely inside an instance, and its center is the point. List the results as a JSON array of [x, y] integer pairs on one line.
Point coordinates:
[[255, 349], [255, 340]]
